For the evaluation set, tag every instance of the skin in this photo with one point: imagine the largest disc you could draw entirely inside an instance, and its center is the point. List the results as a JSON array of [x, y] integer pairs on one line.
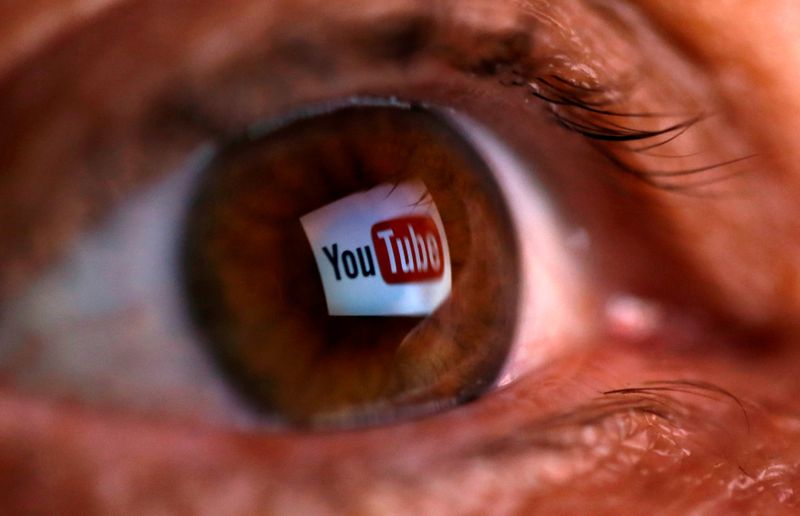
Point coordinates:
[[693, 412]]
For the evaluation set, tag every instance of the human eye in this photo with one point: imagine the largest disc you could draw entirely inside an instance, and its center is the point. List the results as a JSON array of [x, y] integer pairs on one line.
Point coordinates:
[[627, 181]]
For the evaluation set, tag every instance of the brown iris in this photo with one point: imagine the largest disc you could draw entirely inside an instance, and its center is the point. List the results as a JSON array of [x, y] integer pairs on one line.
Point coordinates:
[[256, 295]]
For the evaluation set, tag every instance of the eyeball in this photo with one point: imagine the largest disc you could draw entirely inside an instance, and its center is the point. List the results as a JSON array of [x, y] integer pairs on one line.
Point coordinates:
[[351, 265]]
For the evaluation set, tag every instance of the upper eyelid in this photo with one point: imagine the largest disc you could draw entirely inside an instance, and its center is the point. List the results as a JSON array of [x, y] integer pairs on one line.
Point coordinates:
[[53, 64], [592, 106], [501, 49], [498, 48], [506, 50], [485, 49]]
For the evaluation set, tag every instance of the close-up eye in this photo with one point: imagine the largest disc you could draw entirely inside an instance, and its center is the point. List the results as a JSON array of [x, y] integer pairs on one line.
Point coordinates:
[[392, 256], [352, 265]]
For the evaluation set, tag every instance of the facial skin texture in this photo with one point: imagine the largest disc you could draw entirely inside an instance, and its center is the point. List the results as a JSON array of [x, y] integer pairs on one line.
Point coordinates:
[[698, 414]]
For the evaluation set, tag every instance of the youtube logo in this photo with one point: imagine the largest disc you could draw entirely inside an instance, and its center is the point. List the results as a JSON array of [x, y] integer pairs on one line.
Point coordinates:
[[381, 252], [408, 249]]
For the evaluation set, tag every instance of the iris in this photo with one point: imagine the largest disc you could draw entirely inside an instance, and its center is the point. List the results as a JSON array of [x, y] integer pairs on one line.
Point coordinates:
[[263, 290]]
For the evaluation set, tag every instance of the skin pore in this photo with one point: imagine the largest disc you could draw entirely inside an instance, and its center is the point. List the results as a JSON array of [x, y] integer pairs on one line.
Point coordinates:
[[696, 412]]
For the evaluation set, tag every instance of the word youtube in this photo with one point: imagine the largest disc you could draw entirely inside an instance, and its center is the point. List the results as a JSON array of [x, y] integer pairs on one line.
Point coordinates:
[[381, 252], [407, 249]]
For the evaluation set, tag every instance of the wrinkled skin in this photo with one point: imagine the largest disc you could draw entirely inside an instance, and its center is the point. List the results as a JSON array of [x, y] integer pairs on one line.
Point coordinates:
[[698, 416]]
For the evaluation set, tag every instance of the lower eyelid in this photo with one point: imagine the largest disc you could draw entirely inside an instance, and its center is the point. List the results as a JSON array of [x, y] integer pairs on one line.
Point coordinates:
[[532, 444]]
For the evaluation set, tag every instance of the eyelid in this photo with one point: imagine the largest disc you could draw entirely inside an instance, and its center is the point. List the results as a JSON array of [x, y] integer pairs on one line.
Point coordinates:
[[575, 72]]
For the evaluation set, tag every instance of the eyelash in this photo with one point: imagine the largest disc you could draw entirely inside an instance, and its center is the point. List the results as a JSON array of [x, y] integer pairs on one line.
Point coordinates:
[[682, 403], [588, 111], [594, 111]]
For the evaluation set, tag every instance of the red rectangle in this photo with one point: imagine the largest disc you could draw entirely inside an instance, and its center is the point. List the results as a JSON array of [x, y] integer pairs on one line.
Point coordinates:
[[408, 249]]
